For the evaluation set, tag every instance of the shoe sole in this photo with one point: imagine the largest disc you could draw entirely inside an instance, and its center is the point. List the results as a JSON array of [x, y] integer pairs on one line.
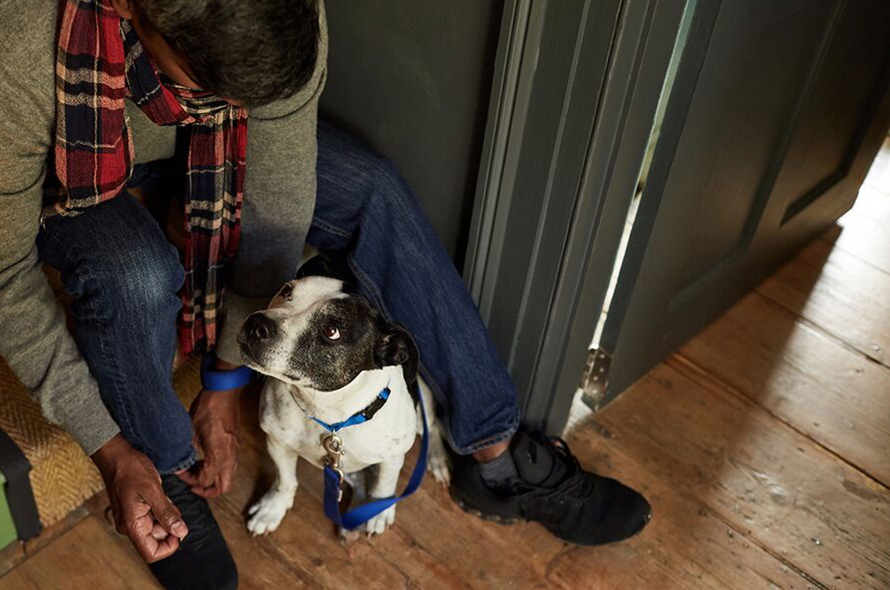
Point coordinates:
[[484, 516], [508, 521]]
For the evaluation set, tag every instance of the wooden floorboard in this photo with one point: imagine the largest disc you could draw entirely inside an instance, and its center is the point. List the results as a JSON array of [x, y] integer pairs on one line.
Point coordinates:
[[84, 558], [879, 175], [803, 377], [839, 294], [786, 492], [864, 229], [16, 553], [688, 545]]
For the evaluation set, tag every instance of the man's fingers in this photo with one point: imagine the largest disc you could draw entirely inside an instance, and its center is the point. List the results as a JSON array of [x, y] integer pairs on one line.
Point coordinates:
[[139, 532], [200, 480], [227, 474], [166, 514], [131, 517], [188, 477], [158, 533], [165, 548], [150, 538], [153, 550], [208, 472], [211, 491]]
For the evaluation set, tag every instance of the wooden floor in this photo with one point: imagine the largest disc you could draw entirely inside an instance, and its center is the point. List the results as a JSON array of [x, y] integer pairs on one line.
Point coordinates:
[[763, 445]]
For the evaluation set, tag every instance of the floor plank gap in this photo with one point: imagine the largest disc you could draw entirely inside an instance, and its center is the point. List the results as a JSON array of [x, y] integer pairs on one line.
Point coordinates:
[[818, 328], [689, 368], [832, 241]]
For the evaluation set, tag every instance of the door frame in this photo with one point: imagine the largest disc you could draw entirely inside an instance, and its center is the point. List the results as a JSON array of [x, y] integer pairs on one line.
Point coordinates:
[[543, 237]]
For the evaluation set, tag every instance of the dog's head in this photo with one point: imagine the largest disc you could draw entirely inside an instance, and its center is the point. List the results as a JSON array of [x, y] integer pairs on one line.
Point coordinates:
[[317, 334]]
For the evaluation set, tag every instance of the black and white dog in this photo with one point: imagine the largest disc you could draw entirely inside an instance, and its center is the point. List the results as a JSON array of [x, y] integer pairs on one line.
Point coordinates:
[[327, 354]]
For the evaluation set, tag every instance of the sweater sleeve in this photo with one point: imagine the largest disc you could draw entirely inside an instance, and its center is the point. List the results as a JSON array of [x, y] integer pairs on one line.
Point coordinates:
[[34, 340], [279, 199]]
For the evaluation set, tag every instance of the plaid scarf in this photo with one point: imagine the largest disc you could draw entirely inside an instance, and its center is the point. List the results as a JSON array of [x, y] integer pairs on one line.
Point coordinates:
[[100, 62]]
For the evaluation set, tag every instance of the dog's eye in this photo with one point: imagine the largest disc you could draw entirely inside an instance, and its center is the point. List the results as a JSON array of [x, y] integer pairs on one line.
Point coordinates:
[[286, 290], [330, 332]]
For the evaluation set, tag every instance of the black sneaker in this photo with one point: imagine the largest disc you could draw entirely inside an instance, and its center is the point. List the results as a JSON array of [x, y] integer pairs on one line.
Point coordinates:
[[203, 561], [552, 489]]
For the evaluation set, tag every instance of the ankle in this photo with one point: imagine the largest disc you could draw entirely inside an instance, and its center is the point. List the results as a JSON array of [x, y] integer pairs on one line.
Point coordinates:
[[491, 453]]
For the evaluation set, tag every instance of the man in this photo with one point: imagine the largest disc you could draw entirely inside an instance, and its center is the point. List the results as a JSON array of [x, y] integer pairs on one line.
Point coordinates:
[[221, 96]]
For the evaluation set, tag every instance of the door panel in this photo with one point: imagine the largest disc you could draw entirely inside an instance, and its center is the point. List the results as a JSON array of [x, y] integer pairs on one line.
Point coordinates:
[[840, 109], [737, 119], [777, 110]]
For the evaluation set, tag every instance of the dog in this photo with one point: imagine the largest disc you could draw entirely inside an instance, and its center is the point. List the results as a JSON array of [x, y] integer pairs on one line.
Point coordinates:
[[327, 354]]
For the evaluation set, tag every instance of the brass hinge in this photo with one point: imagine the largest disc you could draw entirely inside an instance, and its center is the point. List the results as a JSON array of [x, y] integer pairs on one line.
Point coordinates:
[[596, 378]]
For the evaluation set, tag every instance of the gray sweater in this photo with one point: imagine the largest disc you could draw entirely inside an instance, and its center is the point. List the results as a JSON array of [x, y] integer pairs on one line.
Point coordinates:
[[279, 198]]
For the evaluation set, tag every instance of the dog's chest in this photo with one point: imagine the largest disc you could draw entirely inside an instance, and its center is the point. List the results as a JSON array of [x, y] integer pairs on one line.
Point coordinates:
[[390, 433]]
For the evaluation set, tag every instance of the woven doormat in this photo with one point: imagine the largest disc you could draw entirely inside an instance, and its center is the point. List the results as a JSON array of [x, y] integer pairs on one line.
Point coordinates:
[[62, 476]]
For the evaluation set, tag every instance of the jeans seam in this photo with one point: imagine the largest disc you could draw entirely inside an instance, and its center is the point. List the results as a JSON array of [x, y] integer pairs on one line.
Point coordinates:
[[184, 464], [503, 435], [330, 227], [373, 292]]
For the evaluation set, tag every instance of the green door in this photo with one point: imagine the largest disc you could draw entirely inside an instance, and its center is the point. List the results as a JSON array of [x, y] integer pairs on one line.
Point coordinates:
[[769, 126]]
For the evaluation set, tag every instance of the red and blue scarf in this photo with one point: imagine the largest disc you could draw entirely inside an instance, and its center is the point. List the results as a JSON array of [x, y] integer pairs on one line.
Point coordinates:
[[100, 63]]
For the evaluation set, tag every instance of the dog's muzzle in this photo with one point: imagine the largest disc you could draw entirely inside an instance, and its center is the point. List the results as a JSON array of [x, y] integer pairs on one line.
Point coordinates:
[[257, 330]]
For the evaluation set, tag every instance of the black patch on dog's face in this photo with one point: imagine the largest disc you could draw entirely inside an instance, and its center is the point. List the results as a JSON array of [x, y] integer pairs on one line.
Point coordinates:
[[316, 333], [338, 343]]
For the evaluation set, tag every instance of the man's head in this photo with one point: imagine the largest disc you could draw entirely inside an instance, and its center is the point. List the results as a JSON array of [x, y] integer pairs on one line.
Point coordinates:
[[249, 52]]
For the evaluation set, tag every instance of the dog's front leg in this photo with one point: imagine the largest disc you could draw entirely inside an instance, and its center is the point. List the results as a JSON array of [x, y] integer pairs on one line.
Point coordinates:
[[266, 515], [384, 487]]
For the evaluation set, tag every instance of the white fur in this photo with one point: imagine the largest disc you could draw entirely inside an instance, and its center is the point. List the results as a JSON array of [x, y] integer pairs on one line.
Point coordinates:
[[285, 411], [291, 316]]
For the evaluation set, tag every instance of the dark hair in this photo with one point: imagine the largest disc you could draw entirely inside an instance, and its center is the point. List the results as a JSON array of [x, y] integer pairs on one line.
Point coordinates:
[[254, 51]]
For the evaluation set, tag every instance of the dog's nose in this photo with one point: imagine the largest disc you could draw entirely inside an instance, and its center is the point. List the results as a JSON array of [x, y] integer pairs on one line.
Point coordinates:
[[259, 327]]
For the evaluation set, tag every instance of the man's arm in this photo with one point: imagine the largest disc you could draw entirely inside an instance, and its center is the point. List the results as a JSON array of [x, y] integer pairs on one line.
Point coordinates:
[[34, 340]]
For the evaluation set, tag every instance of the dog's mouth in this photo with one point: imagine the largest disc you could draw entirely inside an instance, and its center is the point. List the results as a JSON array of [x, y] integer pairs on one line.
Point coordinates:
[[248, 357], [251, 361]]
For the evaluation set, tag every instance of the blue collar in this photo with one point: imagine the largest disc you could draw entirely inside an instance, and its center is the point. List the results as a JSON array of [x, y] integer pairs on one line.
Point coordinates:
[[358, 417]]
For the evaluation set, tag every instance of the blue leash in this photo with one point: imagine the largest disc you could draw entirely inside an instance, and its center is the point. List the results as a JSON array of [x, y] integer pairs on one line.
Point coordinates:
[[333, 477]]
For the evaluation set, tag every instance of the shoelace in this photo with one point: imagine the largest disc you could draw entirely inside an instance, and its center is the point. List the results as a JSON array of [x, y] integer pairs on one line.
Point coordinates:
[[572, 486]]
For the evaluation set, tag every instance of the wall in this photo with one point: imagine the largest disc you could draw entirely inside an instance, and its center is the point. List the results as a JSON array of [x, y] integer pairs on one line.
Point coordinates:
[[412, 78]]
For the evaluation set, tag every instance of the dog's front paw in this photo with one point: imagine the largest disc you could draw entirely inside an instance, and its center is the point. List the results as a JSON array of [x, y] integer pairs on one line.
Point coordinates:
[[266, 515], [381, 522]]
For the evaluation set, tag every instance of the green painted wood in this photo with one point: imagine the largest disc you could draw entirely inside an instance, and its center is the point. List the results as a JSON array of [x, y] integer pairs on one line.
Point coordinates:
[[774, 118], [412, 79], [8, 533], [534, 217]]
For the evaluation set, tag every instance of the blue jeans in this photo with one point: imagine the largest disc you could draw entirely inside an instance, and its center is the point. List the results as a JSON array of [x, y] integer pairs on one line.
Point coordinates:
[[124, 276]]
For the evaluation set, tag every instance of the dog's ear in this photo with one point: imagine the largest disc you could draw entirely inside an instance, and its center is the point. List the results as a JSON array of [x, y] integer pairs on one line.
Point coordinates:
[[329, 265], [396, 347], [317, 266]]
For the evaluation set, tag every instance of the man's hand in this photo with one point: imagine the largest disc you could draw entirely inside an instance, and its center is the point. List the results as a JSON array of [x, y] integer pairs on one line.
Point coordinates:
[[215, 419], [141, 510]]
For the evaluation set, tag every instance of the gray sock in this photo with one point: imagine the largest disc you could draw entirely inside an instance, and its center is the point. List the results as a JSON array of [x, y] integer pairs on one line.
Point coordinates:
[[499, 471]]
